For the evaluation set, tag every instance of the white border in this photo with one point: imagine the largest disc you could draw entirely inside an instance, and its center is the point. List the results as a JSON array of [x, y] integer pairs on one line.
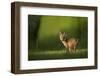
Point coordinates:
[[25, 64]]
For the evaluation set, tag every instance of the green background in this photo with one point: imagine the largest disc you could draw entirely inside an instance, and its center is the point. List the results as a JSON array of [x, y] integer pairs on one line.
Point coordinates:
[[43, 36]]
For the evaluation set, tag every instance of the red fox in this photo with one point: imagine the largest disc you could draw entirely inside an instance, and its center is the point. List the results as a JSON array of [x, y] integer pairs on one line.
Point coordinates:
[[70, 43]]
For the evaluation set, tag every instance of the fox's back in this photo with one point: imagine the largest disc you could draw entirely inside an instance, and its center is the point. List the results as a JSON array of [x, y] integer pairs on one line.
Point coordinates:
[[68, 42], [71, 43]]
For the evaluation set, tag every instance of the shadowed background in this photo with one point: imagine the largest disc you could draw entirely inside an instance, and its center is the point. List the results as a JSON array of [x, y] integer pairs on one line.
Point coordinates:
[[43, 36]]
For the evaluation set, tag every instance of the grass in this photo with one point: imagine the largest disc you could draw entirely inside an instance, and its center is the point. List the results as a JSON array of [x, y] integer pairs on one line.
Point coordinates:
[[56, 54], [43, 36]]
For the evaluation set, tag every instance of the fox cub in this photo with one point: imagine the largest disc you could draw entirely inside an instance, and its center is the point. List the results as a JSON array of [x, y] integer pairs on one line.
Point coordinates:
[[70, 43]]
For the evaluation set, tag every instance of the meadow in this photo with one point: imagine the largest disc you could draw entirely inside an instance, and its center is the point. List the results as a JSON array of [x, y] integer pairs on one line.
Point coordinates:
[[43, 37], [57, 54]]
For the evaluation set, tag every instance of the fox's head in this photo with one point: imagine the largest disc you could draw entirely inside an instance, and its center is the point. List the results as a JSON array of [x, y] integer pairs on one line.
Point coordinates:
[[63, 36]]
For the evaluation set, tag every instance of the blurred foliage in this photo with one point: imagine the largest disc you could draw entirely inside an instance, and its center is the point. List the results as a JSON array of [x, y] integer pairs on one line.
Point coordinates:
[[50, 26], [33, 28], [43, 31]]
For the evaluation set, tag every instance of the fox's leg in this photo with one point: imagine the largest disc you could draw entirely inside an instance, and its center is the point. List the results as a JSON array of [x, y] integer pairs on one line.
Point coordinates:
[[70, 51], [74, 49]]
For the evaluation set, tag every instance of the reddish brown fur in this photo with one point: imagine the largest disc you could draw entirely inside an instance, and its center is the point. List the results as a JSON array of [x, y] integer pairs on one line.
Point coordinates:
[[68, 43]]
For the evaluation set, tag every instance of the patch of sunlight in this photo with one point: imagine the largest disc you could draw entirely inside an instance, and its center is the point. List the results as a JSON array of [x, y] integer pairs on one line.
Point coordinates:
[[50, 52], [57, 52]]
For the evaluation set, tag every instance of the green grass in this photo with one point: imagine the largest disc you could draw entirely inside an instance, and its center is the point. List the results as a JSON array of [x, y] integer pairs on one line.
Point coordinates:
[[56, 54], [43, 36]]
